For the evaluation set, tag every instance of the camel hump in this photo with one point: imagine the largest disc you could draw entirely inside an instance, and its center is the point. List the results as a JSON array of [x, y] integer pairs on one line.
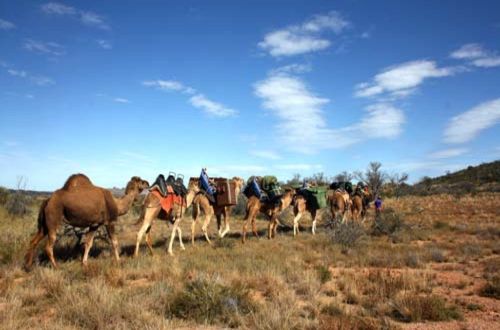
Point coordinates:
[[77, 180]]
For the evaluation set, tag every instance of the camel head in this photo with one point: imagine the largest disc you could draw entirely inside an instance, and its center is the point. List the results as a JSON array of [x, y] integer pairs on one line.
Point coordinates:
[[239, 182], [136, 184], [194, 185]]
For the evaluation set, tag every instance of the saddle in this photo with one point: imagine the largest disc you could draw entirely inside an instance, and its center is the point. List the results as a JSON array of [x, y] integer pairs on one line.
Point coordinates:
[[345, 195], [170, 185]]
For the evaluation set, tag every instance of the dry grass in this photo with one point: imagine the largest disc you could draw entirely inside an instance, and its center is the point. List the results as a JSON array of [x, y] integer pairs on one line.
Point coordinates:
[[433, 261]]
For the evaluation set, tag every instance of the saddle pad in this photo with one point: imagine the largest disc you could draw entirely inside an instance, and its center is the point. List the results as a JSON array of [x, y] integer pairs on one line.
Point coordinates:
[[167, 203]]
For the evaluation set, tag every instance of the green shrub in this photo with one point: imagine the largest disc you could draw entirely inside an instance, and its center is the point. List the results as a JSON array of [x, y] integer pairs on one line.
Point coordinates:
[[492, 288], [18, 204], [206, 300], [347, 234], [324, 274], [387, 223], [411, 308]]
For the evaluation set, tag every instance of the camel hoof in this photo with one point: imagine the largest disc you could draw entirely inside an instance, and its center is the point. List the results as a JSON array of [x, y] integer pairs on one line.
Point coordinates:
[[183, 248], [170, 253]]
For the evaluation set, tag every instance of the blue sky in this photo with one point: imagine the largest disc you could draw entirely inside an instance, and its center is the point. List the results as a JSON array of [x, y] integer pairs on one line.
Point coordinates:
[[121, 88]]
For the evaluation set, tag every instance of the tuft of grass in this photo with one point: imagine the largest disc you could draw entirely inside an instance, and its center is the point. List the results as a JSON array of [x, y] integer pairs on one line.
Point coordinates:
[[324, 274], [492, 288], [411, 308], [208, 301], [347, 234]]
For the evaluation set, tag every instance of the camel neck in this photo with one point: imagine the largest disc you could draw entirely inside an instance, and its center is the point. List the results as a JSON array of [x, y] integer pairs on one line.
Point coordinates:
[[126, 201]]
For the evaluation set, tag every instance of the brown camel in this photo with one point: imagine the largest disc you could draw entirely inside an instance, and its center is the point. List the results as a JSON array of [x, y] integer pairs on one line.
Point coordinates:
[[339, 203], [360, 206], [271, 209], [81, 204], [201, 201], [152, 210], [300, 206]]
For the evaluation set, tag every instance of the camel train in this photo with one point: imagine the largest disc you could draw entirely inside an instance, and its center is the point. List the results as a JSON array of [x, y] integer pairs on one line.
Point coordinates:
[[80, 203]]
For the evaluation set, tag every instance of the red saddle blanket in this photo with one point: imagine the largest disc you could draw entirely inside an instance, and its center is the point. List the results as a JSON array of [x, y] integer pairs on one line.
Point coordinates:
[[167, 203]]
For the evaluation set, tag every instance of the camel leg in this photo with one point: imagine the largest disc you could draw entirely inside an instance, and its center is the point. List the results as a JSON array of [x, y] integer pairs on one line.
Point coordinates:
[[314, 219], [146, 225], [49, 247], [149, 240], [218, 217], [179, 232], [254, 226], [226, 225], [245, 224], [196, 211], [296, 223], [28, 259], [114, 241], [172, 237], [204, 228], [89, 240]]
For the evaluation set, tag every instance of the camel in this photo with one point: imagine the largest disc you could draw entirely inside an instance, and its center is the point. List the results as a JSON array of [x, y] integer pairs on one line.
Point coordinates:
[[359, 206], [152, 210], [300, 206], [201, 202], [271, 209], [339, 203], [81, 204]]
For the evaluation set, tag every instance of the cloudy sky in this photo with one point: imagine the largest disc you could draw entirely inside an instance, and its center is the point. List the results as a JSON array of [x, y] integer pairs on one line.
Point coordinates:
[[121, 88]]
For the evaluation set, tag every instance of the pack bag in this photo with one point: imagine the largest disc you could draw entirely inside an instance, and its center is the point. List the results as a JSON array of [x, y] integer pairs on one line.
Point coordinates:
[[225, 192], [271, 186], [252, 188]]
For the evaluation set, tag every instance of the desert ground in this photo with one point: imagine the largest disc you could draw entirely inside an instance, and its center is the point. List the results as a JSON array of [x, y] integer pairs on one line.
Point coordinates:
[[428, 263]]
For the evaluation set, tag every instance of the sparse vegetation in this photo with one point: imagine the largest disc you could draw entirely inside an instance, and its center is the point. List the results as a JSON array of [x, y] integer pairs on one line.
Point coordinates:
[[379, 275]]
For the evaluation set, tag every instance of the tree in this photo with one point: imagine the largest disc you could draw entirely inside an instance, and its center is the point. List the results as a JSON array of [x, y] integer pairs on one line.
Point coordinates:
[[344, 177], [295, 181], [396, 181], [374, 177], [320, 179]]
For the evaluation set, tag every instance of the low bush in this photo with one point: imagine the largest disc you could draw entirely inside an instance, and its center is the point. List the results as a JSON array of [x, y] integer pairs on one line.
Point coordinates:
[[412, 308], [492, 288], [18, 204], [387, 223], [347, 234], [208, 301]]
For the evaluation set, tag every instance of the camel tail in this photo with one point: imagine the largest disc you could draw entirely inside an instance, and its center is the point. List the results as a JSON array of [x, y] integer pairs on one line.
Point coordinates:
[[42, 223]]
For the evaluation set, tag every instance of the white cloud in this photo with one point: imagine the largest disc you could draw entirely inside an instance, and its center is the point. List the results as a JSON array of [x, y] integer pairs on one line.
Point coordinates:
[[50, 48], [402, 79], [301, 126], [292, 68], [17, 73], [468, 51], [6, 25], [477, 55], [58, 9], [92, 19], [86, 17], [37, 80], [448, 153], [198, 100], [383, 121], [466, 126], [303, 38], [266, 154], [169, 85], [104, 44], [487, 62], [121, 100], [212, 108]]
